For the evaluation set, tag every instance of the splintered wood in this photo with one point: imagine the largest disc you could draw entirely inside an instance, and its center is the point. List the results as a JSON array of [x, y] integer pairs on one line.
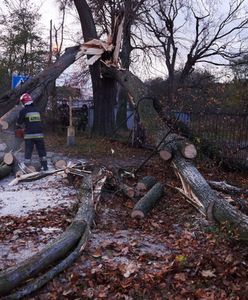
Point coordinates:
[[96, 48]]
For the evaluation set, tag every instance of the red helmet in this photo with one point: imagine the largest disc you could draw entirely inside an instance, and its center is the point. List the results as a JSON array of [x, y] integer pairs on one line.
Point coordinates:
[[26, 99]]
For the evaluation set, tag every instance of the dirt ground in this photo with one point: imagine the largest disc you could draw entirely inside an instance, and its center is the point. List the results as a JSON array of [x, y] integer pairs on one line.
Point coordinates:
[[174, 253]]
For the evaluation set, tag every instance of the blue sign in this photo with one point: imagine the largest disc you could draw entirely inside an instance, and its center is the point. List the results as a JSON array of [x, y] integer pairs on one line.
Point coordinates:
[[18, 80], [183, 117]]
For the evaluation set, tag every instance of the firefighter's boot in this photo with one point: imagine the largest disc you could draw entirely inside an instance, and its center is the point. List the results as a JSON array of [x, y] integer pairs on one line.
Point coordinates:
[[44, 165]]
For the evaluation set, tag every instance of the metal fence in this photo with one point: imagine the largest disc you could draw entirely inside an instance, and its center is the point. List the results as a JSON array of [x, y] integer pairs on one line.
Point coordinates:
[[226, 130]]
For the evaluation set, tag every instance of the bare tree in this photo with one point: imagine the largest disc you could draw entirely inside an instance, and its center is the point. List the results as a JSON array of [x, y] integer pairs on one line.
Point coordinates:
[[191, 32]]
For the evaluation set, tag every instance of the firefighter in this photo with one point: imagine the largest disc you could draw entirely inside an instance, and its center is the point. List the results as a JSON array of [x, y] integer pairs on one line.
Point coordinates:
[[33, 132]]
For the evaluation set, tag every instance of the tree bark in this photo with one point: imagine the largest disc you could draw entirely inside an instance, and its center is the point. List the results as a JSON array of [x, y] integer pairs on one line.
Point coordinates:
[[195, 186], [13, 277], [146, 203], [209, 202], [223, 186], [102, 88]]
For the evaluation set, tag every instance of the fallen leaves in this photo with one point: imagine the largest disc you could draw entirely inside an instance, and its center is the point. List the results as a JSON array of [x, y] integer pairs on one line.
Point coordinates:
[[208, 273], [131, 268]]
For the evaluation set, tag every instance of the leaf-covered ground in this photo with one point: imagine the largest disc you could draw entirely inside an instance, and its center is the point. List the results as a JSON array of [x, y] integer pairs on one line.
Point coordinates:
[[174, 253]]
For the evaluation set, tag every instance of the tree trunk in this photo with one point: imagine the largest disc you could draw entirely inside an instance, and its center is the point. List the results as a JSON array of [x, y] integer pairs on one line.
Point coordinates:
[[195, 186], [102, 88], [38, 87], [38, 84], [121, 114], [212, 205]]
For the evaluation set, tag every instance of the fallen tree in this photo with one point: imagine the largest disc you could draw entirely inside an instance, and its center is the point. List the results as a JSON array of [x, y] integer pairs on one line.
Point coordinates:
[[195, 187], [61, 252], [38, 87]]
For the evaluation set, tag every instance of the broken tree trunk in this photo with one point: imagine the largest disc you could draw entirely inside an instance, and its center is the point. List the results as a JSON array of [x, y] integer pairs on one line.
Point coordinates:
[[195, 186], [147, 202], [212, 205]]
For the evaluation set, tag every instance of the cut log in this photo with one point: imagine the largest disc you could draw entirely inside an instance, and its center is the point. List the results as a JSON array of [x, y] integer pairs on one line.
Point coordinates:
[[145, 184], [8, 158], [34, 167], [166, 153], [175, 142], [58, 161], [5, 170], [187, 149], [9, 118], [147, 202]]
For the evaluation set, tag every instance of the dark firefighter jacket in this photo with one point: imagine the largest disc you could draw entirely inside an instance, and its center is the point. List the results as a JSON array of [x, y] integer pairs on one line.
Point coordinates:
[[31, 118]]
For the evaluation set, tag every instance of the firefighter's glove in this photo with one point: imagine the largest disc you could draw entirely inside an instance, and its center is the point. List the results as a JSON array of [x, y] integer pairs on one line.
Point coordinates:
[[19, 133]]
